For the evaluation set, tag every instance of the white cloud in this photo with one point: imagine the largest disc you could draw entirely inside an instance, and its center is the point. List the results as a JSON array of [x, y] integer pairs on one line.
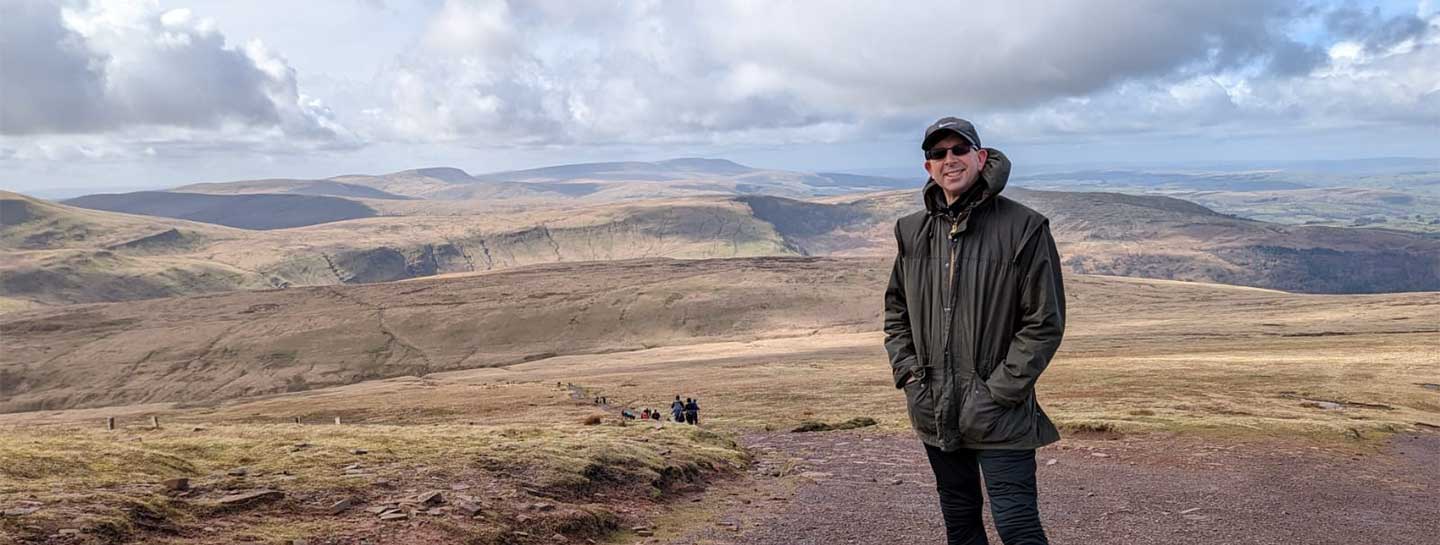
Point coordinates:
[[466, 28], [108, 79], [175, 17], [112, 65], [545, 73], [495, 73], [1360, 88]]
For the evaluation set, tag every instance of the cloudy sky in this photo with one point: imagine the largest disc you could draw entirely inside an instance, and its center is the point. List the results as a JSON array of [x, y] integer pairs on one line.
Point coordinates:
[[134, 93]]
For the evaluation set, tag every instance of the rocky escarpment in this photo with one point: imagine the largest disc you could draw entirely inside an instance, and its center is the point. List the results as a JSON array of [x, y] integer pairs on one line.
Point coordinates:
[[642, 232], [1098, 233]]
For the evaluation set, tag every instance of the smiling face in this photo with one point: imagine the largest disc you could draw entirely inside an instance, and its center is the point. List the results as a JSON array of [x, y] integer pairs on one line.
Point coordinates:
[[955, 174]]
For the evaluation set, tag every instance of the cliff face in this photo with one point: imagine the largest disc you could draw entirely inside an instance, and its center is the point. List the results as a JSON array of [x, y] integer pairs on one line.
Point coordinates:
[[674, 231]]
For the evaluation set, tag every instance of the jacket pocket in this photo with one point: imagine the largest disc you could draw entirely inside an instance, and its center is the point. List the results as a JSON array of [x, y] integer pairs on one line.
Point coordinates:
[[922, 406], [982, 420]]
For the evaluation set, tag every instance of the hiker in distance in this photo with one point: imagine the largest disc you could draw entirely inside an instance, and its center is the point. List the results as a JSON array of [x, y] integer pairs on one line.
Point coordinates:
[[974, 311], [692, 411], [677, 409]]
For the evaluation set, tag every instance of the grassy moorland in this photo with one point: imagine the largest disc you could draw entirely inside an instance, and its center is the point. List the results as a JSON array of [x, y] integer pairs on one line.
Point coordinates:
[[526, 446], [498, 483]]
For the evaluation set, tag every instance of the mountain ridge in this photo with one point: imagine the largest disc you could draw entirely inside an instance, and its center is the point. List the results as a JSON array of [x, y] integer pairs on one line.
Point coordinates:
[[1098, 233]]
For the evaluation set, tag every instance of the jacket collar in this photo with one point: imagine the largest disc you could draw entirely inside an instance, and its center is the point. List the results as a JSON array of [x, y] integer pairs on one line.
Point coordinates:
[[993, 177]]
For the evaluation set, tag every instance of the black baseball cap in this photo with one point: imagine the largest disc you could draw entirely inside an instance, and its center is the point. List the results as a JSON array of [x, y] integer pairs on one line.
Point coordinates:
[[937, 130]]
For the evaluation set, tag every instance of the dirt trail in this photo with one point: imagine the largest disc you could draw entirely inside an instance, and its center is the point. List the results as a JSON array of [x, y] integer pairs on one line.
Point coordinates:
[[876, 488]]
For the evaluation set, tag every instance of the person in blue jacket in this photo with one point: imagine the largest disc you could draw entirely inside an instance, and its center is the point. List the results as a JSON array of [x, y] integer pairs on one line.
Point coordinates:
[[677, 409]]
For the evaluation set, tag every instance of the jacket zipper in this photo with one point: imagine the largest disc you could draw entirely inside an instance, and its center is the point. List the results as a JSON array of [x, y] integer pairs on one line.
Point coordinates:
[[952, 263]]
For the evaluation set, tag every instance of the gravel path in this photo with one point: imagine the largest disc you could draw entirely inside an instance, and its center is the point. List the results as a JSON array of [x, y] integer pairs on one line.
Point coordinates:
[[873, 488]]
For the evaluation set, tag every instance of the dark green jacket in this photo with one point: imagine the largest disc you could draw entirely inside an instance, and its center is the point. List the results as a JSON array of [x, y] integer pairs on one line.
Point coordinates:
[[976, 359]]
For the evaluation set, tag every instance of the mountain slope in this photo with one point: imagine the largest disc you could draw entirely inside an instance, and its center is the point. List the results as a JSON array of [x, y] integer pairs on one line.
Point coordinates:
[[1391, 193], [56, 254], [1161, 237], [1099, 233], [591, 183], [356, 251], [27, 223], [1146, 236], [251, 211], [84, 276], [202, 349], [328, 188], [246, 343]]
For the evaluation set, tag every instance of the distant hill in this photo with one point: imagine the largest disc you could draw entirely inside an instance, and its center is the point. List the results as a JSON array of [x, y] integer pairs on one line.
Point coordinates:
[[1160, 237], [674, 169], [1333, 169], [701, 176], [329, 188], [420, 183], [1101, 180], [1391, 193], [586, 183], [245, 211], [56, 254], [1100, 233], [1332, 206], [27, 223]]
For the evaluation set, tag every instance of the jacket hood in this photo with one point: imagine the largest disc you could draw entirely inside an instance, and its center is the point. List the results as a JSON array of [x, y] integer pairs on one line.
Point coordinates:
[[993, 176]]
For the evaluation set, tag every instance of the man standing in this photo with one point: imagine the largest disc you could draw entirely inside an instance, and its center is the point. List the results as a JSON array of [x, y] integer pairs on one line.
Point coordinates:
[[974, 311]]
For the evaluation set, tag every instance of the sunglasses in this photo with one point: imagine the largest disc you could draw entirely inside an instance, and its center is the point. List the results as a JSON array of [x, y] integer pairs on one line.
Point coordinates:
[[936, 154]]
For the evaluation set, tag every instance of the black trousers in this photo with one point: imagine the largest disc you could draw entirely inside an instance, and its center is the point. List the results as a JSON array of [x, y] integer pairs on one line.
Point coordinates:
[[1010, 481]]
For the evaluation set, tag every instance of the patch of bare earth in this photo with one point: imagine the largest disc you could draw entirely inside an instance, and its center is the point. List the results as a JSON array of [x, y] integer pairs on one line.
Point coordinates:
[[873, 487]]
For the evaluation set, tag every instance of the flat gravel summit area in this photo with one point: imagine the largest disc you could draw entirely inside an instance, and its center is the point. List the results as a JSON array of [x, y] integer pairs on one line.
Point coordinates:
[[867, 487]]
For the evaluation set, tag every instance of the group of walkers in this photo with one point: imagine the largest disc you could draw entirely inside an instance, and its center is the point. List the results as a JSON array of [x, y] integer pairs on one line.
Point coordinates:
[[685, 412]]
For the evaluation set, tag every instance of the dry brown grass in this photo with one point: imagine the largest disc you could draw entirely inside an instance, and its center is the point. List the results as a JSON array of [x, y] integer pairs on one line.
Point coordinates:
[[99, 480], [202, 349], [1139, 356]]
